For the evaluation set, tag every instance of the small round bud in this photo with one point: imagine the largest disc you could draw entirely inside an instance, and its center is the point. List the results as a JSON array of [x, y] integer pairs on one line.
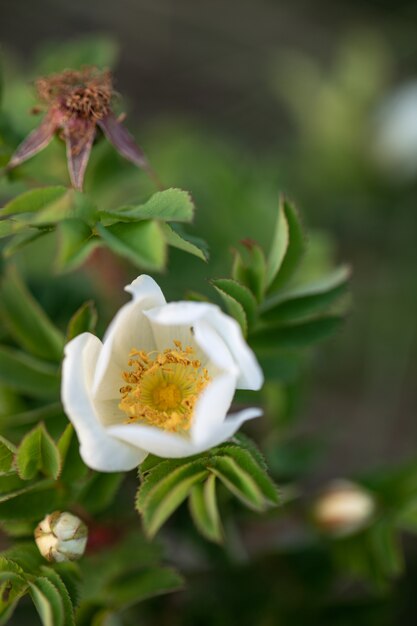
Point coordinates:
[[61, 537], [343, 508]]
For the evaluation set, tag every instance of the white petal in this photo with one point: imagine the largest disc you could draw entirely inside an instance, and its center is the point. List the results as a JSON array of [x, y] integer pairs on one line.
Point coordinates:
[[180, 313], [109, 412], [58, 557], [187, 322], [231, 424], [154, 440], [73, 546], [169, 445], [212, 407], [201, 316], [45, 543], [129, 329], [66, 526], [213, 345], [98, 449], [165, 335], [251, 376]]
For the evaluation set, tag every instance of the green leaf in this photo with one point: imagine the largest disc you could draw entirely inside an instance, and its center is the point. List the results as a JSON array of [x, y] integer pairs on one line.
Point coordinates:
[[9, 566], [7, 452], [26, 321], [12, 486], [91, 613], [163, 490], [178, 239], [48, 602], [235, 309], [295, 335], [204, 511], [141, 243], [249, 268], [73, 205], [279, 244], [106, 617], [150, 462], [22, 239], [295, 248], [26, 555], [26, 374], [10, 227], [73, 467], [31, 503], [26, 418], [166, 483], [246, 443], [75, 244], [100, 491], [38, 453], [13, 585], [6, 610], [195, 296], [70, 573], [282, 365], [396, 487], [306, 300], [33, 200], [406, 518], [84, 320], [171, 205], [241, 294], [239, 482], [154, 470], [133, 587], [251, 462], [387, 548], [373, 554], [56, 580]]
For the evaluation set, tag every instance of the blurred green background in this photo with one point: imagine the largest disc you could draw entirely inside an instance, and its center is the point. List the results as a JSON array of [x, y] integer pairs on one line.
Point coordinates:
[[236, 102]]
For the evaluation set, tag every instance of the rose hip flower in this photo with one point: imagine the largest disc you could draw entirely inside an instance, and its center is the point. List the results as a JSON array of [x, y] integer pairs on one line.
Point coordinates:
[[162, 381], [77, 102], [343, 508], [61, 537]]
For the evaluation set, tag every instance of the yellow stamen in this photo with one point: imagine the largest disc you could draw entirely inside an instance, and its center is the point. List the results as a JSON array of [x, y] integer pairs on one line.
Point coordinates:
[[163, 387]]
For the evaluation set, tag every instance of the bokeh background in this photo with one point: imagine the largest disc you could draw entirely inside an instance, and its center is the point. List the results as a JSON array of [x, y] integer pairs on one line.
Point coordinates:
[[237, 102]]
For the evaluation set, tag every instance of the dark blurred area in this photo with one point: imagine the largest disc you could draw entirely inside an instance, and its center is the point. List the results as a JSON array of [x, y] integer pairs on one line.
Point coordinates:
[[238, 101], [211, 62]]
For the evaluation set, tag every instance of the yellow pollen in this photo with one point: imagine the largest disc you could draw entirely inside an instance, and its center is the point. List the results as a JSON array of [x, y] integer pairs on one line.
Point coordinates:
[[162, 388], [167, 397]]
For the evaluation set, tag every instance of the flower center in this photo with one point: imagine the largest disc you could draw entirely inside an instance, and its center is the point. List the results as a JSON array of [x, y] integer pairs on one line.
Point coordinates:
[[84, 94], [163, 387], [167, 396]]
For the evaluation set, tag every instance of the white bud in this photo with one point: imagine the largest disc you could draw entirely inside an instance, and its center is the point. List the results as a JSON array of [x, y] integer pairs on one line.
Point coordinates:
[[61, 537], [343, 508], [395, 137]]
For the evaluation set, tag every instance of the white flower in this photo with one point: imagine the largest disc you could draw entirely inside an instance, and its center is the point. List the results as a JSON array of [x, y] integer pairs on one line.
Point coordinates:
[[395, 141], [162, 381], [343, 508], [61, 537]]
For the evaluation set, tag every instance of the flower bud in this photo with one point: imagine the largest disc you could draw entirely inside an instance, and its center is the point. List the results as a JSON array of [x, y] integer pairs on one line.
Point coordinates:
[[343, 508], [61, 537]]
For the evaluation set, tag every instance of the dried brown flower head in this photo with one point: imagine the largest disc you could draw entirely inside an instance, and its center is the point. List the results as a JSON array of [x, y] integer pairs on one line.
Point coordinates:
[[87, 93], [77, 102]]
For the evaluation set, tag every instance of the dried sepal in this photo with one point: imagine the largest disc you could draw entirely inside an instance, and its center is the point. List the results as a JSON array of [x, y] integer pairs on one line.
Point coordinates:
[[78, 101]]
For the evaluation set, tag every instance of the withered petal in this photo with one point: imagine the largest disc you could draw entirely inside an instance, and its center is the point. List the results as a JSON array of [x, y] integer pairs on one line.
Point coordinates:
[[79, 136], [125, 144], [36, 141]]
